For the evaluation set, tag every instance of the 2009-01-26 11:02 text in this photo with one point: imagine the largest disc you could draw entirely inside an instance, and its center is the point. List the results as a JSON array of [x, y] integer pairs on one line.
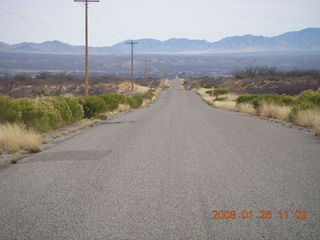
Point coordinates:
[[262, 214]]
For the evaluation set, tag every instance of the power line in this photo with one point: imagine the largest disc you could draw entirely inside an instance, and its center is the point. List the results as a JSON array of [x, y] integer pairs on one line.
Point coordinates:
[[109, 25], [103, 26], [36, 20], [132, 43], [86, 76], [116, 27]]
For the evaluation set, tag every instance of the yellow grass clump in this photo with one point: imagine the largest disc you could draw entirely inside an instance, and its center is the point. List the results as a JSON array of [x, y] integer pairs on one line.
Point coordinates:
[[123, 108], [146, 102], [229, 105], [246, 108], [230, 96], [308, 118], [275, 111], [15, 137]]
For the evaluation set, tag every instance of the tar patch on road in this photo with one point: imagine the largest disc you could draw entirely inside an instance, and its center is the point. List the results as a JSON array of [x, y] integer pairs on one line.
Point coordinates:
[[93, 155]]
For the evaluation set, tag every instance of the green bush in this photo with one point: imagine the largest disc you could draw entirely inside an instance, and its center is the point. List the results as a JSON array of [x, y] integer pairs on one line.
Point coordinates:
[[309, 96], [207, 85], [63, 108], [111, 100], [148, 95], [220, 91], [50, 113], [92, 105], [75, 107], [9, 109], [135, 101], [247, 98], [123, 99], [209, 92], [39, 115], [55, 119], [303, 106], [258, 99], [220, 99]]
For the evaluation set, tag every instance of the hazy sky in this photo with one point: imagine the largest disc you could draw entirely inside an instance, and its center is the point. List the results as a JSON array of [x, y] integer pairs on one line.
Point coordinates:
[[112, 21]]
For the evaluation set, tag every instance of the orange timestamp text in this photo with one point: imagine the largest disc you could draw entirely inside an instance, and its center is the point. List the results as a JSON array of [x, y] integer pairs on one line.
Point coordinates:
[[261, 214]]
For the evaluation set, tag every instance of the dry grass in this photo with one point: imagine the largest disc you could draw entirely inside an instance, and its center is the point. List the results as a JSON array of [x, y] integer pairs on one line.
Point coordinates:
[[165, 83], [123, 108], [206, 97], [275, 111], [141, 89], [246, 108], [308, 118], [229, 105], [125, 87], [146, 102], [230, 96], [14, 137]]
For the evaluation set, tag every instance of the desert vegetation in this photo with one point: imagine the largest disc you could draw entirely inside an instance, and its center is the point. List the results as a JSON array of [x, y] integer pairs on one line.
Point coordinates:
[[15, 137], [302, 110], [261, 80], [24, 120], [46, 84]]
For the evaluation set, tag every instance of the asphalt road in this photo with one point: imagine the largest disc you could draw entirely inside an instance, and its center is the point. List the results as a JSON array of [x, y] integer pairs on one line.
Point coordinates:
[[159, 172]]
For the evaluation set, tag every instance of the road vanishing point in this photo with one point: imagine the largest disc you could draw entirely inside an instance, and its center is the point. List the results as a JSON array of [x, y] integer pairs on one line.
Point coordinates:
[[162, 172]]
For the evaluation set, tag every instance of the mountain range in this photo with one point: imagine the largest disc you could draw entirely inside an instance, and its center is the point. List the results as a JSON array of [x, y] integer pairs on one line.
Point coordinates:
[[304, 40]]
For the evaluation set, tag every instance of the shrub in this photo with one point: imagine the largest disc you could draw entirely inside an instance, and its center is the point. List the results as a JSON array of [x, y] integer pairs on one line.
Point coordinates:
[[220, 91], [111, 100], [229, 105], [308, 118], [9, 109], [63, 108], [75, 107], [148, 95], [309, 96], [92, 105], [135, 101], [209, 92], [55, 119], [247, 98], [207, 85], [41, 115], [274, 111], [220, 99], [14, 137], [246, 108], [258, 99]]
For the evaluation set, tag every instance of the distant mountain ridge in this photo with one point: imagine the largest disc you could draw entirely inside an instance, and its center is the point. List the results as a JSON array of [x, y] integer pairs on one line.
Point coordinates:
[[304, 40]]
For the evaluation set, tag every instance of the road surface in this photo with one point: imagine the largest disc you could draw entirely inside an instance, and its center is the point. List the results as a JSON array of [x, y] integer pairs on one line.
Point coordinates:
[[160, 172]]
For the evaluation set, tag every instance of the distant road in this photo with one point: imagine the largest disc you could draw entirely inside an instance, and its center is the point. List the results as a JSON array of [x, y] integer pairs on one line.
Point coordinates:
[[158, 172]]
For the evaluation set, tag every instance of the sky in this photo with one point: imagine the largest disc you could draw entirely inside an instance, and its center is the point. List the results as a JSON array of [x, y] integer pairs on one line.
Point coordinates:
[[112, 21]]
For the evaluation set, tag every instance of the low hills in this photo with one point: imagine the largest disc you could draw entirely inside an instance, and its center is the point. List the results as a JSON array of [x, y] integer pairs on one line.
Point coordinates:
[[304, 40]]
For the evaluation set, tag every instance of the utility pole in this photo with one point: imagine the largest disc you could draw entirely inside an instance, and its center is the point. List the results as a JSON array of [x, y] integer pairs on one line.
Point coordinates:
[[132, 70], [86, 75], [146, 69]]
